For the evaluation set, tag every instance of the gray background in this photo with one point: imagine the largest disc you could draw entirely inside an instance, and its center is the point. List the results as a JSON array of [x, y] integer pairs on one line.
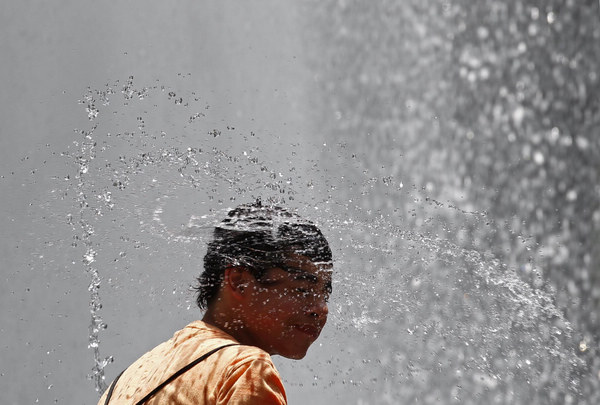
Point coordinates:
[[449, 150]]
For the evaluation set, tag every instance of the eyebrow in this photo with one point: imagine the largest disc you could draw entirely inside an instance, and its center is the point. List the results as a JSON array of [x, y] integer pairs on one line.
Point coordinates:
[[306, 276], [300, 274]]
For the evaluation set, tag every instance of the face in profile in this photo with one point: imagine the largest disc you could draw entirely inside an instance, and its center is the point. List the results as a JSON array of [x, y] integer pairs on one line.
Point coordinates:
[[287, 308]]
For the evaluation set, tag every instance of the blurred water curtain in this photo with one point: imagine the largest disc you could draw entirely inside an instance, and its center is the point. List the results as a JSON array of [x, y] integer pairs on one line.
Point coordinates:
[[492, 105]]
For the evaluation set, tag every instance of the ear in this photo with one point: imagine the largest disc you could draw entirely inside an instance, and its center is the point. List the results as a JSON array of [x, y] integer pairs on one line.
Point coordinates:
[[237, 281]]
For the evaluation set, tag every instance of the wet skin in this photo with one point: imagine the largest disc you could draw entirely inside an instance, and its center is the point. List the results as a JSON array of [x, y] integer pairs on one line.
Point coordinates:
[[282, 312], [287, 308]]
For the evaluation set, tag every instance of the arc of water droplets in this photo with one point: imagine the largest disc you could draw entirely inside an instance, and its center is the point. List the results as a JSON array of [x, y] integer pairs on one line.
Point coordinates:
[[195, 173], [448, 251], [86, 155]]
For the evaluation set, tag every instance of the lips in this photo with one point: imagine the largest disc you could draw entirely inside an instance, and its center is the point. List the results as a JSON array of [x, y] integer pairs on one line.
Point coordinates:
[[310, 330]]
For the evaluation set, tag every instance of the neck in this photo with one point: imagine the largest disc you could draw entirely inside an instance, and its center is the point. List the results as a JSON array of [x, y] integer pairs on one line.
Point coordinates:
[[231, 325]]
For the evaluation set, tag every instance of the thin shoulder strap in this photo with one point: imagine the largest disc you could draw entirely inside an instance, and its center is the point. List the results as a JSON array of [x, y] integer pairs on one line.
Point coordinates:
[[112, 387], [171, 378], [181, 371]]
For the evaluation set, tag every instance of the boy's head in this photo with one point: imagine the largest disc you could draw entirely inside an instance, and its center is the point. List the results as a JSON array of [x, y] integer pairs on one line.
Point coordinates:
[[267, 279], [258, 237]]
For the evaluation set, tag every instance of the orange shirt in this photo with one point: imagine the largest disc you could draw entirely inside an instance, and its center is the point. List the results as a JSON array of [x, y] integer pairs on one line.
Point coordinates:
[[233, 375]]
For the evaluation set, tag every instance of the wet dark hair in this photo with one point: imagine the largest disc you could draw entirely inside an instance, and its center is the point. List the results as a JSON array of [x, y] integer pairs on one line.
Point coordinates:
[[258, 237]]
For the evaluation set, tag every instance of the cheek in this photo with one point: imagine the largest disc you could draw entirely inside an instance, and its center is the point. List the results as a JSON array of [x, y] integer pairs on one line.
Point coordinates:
[[274, 310]]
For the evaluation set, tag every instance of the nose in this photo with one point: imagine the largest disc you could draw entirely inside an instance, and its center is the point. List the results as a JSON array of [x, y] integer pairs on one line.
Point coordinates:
[[318, 308]]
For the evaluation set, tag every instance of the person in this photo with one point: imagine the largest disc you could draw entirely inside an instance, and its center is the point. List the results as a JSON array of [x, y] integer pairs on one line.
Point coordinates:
[[265, 287]]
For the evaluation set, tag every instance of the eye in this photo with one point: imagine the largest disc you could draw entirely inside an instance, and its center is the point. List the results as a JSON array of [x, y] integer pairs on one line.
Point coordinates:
[[305, 293]]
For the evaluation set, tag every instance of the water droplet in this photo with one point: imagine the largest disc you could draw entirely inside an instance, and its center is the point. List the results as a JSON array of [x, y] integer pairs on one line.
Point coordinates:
[[571, 195], [535, 13], [482, 32], [89, 256]]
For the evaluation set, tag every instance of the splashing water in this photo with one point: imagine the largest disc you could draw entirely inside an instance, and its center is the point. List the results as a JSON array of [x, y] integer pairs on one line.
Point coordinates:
[[415, 315]]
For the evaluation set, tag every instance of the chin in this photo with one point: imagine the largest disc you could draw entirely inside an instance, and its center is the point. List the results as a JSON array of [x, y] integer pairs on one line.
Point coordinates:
[[295, 354]]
